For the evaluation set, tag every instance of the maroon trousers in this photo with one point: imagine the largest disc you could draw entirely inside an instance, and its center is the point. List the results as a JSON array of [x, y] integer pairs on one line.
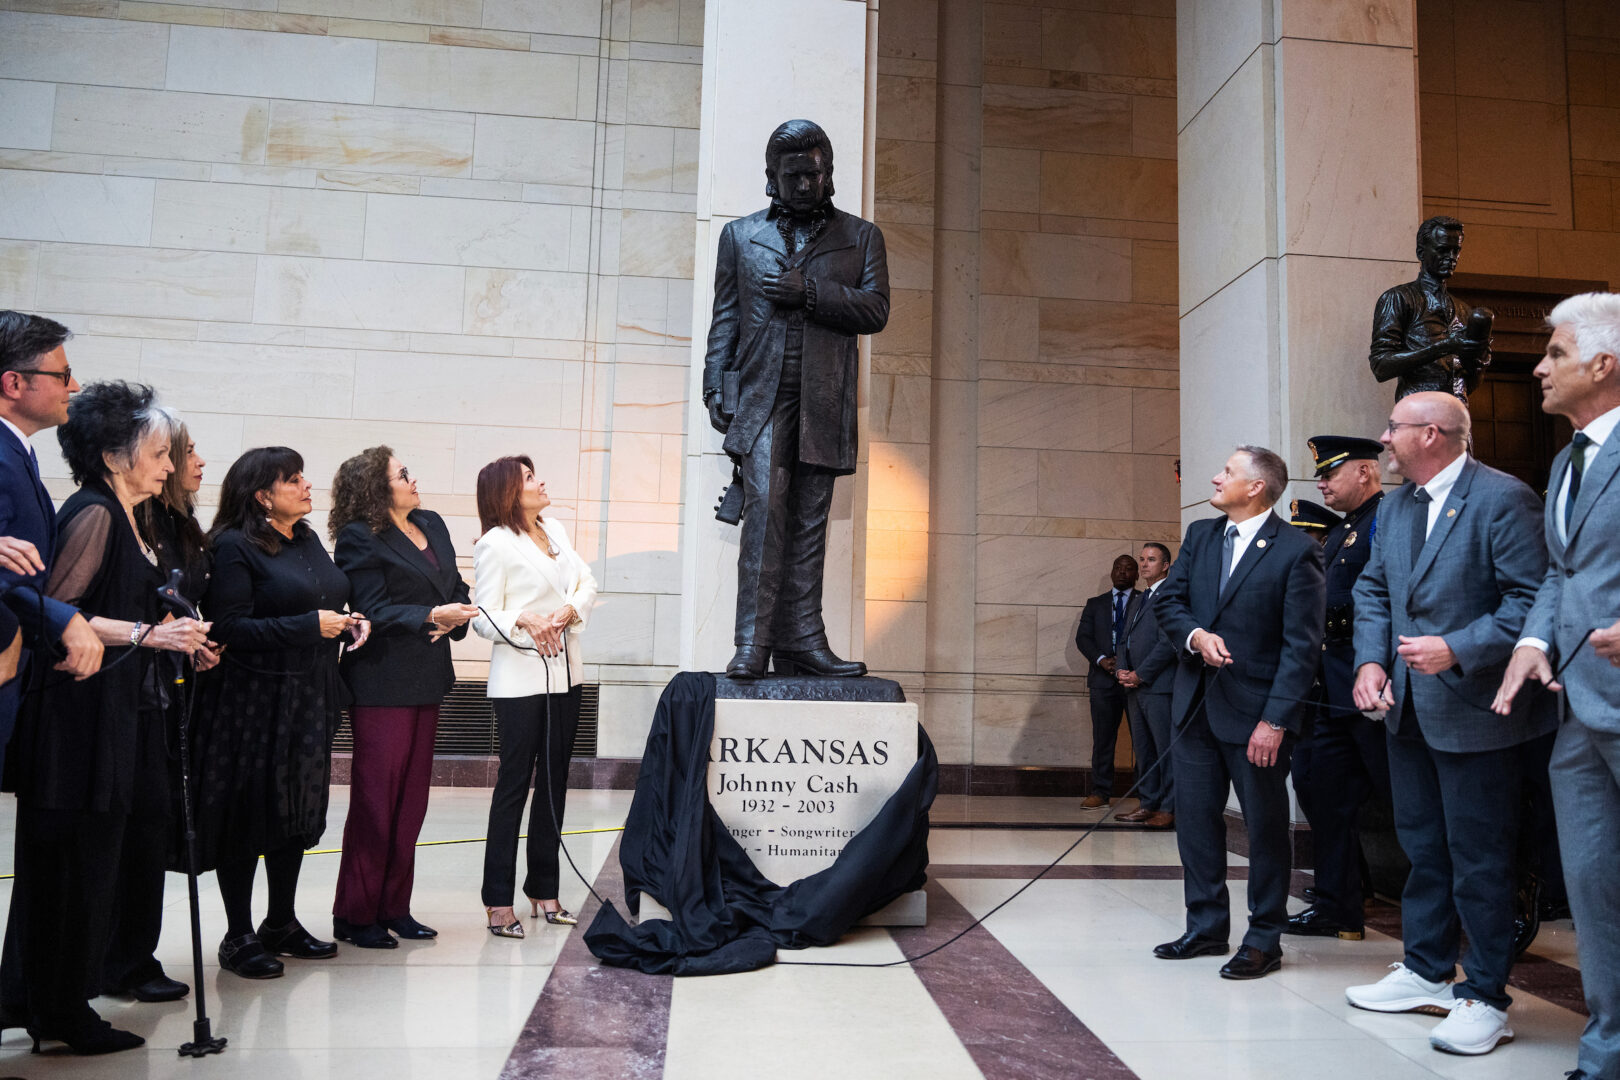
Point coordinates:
[[388, 797]]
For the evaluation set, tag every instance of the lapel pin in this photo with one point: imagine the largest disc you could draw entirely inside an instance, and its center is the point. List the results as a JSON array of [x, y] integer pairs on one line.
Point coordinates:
[[1452, 512], [1260, 543]]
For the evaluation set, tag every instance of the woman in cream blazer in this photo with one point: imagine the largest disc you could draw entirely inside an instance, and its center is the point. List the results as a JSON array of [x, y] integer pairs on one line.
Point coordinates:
[[535, 593]]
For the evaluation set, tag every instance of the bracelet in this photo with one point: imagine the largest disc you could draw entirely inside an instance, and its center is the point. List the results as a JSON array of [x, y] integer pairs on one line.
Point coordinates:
[[135, 634]]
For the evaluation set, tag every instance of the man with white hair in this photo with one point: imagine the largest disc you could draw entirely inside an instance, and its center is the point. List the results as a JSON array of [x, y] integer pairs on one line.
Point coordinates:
[[1438, 610], [1579, 598]]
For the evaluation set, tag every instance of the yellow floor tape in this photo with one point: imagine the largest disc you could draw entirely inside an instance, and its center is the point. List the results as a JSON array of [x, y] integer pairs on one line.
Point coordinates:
[[436, 843]]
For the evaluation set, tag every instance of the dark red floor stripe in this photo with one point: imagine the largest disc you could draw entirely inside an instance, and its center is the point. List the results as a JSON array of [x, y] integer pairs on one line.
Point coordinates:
[[1011, 1024], [593, 1020]]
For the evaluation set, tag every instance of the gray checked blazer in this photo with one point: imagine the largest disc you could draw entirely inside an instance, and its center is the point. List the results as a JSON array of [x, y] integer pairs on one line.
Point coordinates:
[[1582, 588], [1473, 584]]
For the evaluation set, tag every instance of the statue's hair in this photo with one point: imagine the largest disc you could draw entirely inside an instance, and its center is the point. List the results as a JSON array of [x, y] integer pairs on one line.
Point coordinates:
[[1594, 319], [796, 137], [1438, 223]]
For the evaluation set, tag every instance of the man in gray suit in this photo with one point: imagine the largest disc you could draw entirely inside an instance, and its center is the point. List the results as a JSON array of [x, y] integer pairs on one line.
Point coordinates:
[[1580, 379], [1438, 610], [1147, 671]]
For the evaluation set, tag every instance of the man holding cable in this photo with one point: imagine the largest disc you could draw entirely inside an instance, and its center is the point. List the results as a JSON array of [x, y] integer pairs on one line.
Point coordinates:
[[1245, 605], [1438, 609], [1580, 598]]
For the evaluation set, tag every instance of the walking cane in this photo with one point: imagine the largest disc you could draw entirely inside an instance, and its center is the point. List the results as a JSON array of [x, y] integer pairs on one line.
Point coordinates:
[[203, 1041]]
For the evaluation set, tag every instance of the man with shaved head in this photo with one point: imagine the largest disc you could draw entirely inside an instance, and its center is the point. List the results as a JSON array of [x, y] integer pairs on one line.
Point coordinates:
[[1439, 608]]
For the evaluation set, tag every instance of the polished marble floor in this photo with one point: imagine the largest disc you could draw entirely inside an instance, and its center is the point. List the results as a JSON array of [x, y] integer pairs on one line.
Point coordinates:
[[1060, 983]]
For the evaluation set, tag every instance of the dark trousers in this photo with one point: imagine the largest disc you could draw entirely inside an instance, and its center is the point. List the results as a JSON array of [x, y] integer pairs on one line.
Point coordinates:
[[61, 913], [1336, 769], [1107, 710], [1150, 737], [783, 541], [527, 753], [1457, 818], [149, 835], [1538, 838], [1206, 769], [388, 798]]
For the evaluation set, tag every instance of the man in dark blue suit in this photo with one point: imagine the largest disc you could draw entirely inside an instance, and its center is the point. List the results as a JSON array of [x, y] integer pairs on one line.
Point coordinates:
[[1099, 639], [1438, 610], [1146, 670], [1244, 607], [1341, 761], [35, 384]]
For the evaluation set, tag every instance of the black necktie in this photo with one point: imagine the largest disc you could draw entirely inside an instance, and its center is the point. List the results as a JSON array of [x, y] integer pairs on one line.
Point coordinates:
[[1420, 526], [1226, 556], [1577, 466]]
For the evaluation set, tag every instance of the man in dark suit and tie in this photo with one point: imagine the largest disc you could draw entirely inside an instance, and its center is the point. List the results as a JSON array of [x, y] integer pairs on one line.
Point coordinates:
[[1438, 610], [1580, 379], [35, 384], [1342, 760], [1102, 628], [1244, 608], [1147, 671]]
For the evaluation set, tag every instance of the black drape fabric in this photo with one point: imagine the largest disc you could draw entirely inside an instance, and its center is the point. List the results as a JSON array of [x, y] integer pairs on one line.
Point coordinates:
[[726, 917]]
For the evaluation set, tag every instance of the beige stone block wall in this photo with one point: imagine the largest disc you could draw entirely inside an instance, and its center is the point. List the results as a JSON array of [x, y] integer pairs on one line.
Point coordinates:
[[1024, 403], [461, 227], [1520, 112]]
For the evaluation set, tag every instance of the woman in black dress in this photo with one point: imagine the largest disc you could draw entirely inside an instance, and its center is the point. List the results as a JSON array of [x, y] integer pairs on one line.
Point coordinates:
[[89, 756], [402, 570], [168, 522], [267, 714]]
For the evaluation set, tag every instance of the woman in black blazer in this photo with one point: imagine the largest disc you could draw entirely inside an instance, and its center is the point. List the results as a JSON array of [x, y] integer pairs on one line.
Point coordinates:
[[402, 567]]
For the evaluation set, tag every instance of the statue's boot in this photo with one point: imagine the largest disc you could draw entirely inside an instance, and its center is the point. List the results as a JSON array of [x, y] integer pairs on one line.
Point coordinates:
[[820, 661], [750, 661]]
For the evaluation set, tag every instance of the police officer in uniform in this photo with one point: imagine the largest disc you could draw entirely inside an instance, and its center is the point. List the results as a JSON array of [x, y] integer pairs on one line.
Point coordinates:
[[1342, 760], [1316, 519]]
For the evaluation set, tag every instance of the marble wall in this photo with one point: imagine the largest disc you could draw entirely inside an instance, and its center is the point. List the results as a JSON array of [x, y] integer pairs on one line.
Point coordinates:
[[463, 227], [1520, 106], [1024, 400]]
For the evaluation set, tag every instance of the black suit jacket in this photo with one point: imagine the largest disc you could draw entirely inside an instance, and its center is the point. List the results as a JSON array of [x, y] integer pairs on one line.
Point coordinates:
[[1271, 617], [1095, 637], [850, 269], [394, 585], [1146, 650], [26, 512]]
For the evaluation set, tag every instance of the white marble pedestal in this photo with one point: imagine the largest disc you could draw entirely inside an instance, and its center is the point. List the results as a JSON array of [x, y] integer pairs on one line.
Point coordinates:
[[793, 780]]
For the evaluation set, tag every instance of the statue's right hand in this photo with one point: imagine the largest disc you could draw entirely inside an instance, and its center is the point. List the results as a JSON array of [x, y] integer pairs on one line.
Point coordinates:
[[719, 419]]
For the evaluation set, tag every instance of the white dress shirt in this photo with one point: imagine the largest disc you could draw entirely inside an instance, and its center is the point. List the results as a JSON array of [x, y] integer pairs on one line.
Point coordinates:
[[1439, 486], [1246, 531], [1598, 431]]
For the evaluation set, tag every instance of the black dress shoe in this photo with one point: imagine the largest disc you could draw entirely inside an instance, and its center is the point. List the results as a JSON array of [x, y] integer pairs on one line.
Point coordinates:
[[1526, 915], [370, 936], [294, 941], [247, 957], [1316, 922], [1309, 893], [1251, 963], [749, 662], [407, 927], [159, 988], [1189, 945], [816, 662], [85, 1034]]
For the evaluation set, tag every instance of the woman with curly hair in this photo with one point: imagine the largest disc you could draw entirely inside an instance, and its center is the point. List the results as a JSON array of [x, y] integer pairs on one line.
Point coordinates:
[[402, 572], [89, 755], [267, 714]]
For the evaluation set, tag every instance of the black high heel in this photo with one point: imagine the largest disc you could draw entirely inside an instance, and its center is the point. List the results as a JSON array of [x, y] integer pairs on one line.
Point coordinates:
[[87, 1036]]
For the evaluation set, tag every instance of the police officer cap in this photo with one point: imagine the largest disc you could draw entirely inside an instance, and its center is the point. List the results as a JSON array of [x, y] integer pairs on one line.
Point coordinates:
[[1331, 451], [1304, 514]]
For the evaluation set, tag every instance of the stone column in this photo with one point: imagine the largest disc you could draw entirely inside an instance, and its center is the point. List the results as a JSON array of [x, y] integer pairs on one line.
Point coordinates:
[[766, 61], [1299, 199]]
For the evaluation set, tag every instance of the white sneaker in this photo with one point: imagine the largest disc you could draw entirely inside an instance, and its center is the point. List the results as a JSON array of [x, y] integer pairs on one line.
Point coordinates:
[[1473, 1027], [1403, 990]]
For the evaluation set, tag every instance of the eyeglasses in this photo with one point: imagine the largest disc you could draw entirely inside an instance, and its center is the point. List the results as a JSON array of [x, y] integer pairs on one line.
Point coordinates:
[[66, 374], [404, 476], [1395, 424]]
